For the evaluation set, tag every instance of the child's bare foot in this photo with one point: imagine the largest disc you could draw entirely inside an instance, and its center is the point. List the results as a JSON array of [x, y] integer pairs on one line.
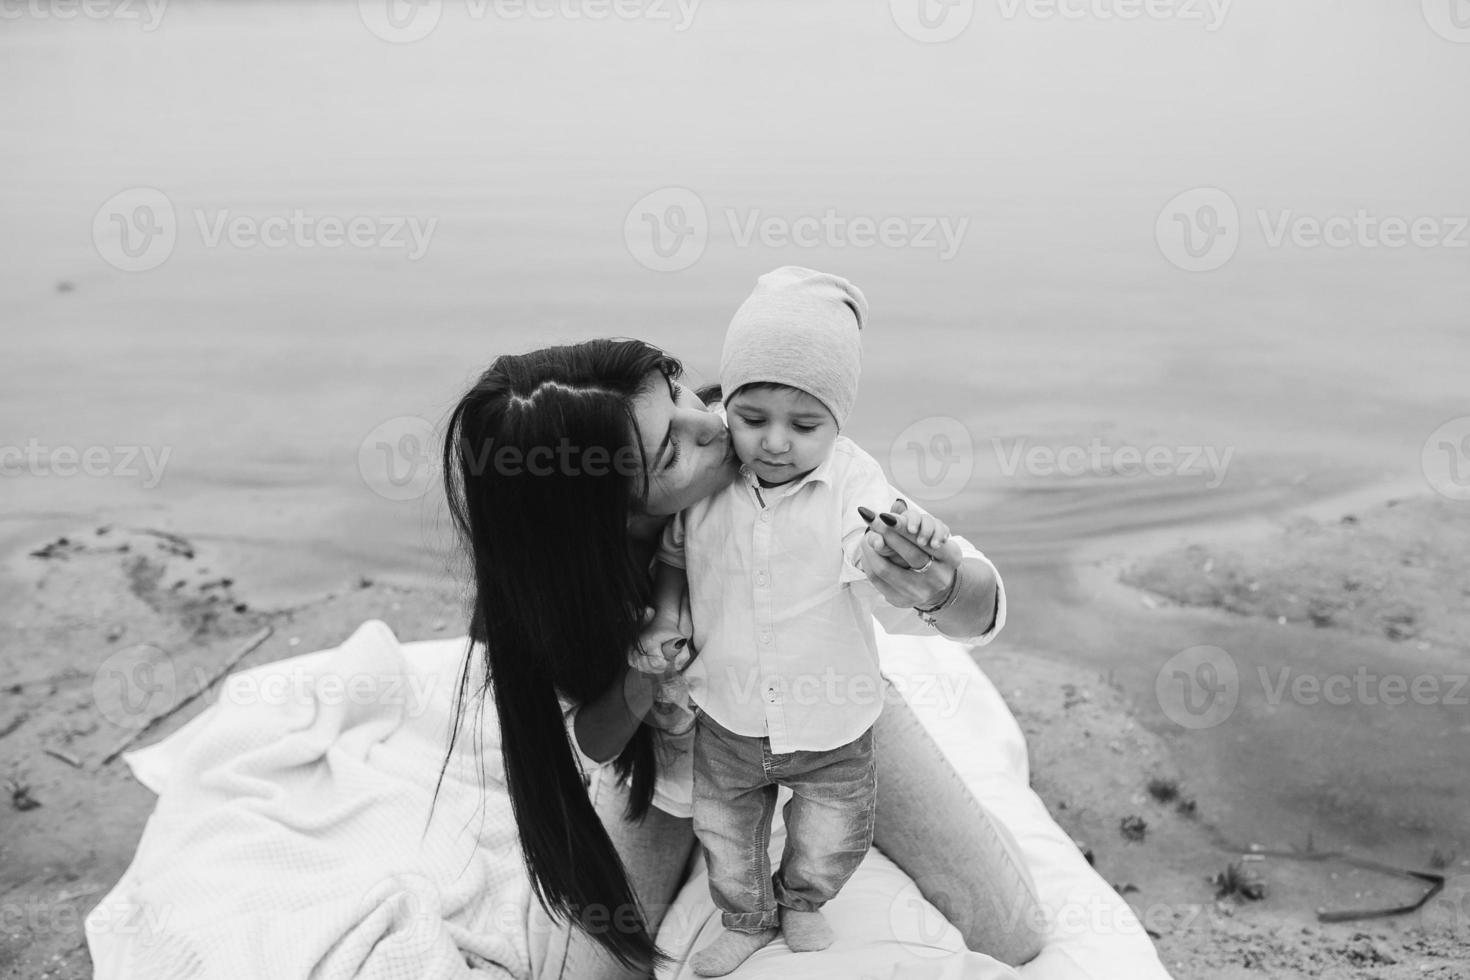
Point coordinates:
[[805, 932], [729, 950]]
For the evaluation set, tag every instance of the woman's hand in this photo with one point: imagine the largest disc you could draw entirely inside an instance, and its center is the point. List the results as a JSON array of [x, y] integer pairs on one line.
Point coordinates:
[[662, 650], [912, 560], [658, 659]]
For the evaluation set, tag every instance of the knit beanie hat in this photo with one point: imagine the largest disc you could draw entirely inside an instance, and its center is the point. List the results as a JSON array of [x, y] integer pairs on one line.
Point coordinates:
[[799, 328]]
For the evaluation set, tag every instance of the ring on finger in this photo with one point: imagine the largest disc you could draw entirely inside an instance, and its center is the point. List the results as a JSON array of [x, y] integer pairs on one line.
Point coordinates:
[[925, 567]]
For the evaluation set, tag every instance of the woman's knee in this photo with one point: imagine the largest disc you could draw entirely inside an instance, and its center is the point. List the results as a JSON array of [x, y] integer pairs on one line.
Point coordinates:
[[655, 849]]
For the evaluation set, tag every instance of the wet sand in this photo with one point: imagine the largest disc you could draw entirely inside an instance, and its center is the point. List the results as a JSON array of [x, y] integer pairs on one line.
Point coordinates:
[[1330, 736]]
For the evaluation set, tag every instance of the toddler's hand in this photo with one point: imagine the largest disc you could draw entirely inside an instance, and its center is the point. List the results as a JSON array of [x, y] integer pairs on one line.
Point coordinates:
[[927, 530]]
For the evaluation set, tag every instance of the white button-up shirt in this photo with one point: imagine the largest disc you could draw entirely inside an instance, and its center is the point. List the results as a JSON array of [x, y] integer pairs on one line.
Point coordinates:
[[783, 614]]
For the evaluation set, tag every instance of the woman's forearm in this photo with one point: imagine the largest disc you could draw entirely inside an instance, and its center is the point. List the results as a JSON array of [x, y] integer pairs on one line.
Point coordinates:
[[604, 724], [973, 610]]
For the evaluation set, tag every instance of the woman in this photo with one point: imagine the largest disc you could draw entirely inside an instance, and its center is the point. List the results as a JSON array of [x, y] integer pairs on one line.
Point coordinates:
[[561, 468]]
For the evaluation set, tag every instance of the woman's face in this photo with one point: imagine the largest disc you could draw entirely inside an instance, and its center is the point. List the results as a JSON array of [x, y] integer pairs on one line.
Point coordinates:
[[688, 449]]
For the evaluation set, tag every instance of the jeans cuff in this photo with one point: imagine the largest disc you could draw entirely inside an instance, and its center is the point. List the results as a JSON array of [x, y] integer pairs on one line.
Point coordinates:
[[785, 898], [749, 921]]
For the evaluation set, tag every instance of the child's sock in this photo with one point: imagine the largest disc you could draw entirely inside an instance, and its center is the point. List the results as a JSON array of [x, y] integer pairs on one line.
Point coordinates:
[[805, 932], [729, 950]]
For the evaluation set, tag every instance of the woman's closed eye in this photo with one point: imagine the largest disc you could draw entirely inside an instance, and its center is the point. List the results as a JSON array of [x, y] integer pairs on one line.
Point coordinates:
[[675, 390]]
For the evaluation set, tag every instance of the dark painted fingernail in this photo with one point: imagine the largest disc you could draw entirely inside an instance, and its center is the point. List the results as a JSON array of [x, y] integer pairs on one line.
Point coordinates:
[[679, 643], [888, 519], [866, 514]]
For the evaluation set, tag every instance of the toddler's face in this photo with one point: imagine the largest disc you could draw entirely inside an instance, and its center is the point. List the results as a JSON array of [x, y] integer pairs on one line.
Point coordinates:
[[782, 433]]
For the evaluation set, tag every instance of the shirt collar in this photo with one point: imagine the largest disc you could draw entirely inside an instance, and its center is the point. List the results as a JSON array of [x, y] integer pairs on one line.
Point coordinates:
[[822, 474]]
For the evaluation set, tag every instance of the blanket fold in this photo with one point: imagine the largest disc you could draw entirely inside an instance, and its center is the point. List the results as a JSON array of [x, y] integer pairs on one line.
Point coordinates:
[[290, 837]]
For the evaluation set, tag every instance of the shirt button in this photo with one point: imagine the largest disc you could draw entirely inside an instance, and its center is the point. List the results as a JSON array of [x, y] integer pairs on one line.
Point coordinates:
[[760, 579], [765, 638], [765, 518]]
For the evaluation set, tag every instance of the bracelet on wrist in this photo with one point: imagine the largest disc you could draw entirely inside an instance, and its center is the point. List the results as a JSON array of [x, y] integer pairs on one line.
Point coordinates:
[[928, 615]]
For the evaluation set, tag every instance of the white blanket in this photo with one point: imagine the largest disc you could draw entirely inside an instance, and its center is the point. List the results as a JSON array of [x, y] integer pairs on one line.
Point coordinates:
[[288, 841]]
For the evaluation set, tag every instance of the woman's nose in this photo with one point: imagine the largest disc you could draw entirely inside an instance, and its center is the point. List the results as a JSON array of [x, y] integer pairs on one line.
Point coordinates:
[[709, 428]]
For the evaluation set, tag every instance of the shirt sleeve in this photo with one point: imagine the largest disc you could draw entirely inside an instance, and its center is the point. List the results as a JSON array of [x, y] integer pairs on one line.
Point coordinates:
[[865, 486], [671, 543]]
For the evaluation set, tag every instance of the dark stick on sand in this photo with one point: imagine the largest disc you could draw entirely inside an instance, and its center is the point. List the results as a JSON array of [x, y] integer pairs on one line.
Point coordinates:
[[229, 665]]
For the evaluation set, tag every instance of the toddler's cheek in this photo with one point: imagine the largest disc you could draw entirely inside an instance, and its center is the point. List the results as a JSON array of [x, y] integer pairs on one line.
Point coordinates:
[[744, 447]]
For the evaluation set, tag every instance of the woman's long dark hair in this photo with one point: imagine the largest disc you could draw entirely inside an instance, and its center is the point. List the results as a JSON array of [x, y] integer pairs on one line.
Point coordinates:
[[558, 601]]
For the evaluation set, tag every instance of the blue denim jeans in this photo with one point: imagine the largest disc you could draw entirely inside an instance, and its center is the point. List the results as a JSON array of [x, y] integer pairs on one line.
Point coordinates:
[[929, 823], [829, 821]]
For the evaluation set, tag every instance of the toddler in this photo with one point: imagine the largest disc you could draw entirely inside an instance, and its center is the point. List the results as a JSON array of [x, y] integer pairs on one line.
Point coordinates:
[[786, 684]]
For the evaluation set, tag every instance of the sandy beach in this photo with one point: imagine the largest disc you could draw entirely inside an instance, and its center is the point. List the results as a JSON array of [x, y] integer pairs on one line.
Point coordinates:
[[1128, 787]]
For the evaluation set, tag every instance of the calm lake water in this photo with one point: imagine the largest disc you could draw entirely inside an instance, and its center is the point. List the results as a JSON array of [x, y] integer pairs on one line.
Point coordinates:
[[260, 358]]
